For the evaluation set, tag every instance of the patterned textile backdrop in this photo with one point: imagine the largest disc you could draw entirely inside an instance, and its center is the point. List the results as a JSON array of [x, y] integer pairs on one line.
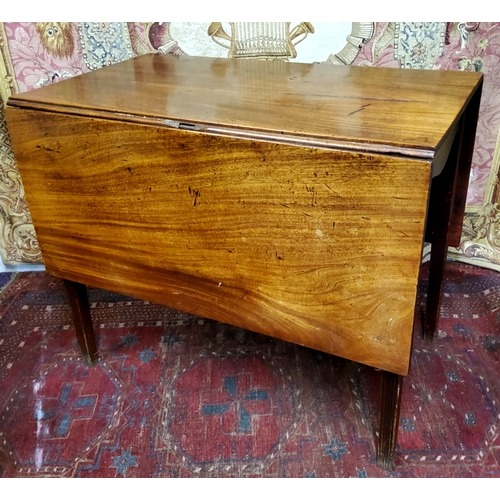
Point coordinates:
[[37, 54]]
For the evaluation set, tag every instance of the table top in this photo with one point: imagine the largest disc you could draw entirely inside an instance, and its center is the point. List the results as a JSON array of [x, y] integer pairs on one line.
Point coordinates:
[[365, 106]]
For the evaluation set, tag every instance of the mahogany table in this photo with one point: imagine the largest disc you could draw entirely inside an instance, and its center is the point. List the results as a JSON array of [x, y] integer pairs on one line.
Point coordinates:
[[288, 199]]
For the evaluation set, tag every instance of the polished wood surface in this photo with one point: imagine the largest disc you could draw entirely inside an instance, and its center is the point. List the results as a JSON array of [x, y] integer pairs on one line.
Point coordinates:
[[279, 239], [395, 108], [289, 199]]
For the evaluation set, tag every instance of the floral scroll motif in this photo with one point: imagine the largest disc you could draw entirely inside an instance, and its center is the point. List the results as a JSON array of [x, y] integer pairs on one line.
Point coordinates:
[[16, 229], [481, 238], [18, 241], [419, 45], [105, 43]]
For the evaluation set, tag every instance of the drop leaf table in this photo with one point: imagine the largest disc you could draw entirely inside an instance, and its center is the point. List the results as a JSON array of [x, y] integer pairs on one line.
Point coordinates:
[[289, 199]]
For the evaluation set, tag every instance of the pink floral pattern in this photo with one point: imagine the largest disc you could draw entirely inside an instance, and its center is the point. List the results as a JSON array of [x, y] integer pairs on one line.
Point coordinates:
[[33, 64], [480, 52]]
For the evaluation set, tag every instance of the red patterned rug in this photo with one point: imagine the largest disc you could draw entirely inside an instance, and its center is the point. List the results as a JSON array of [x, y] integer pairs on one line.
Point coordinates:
[[179, 396]]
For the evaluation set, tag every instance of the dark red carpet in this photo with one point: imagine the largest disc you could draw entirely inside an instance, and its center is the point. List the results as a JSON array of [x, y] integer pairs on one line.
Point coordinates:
[[179, 396]]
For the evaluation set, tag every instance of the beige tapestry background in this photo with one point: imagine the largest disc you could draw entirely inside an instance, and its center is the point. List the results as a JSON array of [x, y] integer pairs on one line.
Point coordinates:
[[37, 54]]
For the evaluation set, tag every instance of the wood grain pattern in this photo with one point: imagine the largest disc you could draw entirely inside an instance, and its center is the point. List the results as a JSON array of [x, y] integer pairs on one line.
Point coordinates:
[[313, 246], [411, 109], [294, 205]]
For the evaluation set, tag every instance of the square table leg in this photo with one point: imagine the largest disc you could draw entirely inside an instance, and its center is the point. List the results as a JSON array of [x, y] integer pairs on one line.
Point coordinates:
[[80, 309], [439, 221], [392, 389], [447, 207]]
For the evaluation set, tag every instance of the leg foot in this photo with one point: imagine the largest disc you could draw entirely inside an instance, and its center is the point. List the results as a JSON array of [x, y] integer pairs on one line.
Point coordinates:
[[5, 463], [80, 309], [392, 386]]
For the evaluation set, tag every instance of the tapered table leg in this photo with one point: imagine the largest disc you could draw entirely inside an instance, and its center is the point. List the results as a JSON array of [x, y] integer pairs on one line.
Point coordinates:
[[447, 208], [439, 251], [80, 309], [392, 388], [440, 213]]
